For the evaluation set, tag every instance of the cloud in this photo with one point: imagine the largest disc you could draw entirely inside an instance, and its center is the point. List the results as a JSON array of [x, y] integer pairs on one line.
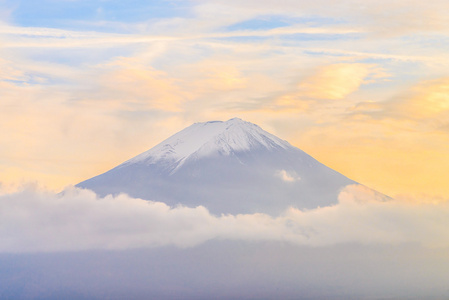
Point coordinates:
[[427, 100], [220, 76], [33, 220], [130, 83], [337, 81], [288, 176]]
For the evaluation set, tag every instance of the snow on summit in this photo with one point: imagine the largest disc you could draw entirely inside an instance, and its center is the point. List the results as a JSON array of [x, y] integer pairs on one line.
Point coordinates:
[[202, 139]]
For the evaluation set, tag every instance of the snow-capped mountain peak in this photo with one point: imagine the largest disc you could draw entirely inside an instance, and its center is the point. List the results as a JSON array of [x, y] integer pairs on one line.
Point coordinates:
[[209, 138], [228, 167]]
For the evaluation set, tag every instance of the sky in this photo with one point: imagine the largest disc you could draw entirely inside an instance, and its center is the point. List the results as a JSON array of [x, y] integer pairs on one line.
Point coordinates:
[[360, 86]]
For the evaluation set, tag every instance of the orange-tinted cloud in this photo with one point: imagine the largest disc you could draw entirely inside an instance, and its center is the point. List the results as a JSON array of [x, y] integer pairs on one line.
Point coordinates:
[[397, 146], [336, 81], [429, 99]]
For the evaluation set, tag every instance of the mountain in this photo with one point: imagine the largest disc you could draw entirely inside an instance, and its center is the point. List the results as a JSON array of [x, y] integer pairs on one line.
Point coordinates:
[[228, 167]]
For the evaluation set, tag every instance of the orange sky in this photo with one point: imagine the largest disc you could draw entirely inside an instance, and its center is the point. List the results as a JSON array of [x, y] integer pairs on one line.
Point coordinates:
[[363, 92]]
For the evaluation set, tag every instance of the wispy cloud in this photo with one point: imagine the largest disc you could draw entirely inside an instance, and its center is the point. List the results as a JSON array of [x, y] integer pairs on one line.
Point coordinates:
[[49, 37], [403, 17], [337, 81]]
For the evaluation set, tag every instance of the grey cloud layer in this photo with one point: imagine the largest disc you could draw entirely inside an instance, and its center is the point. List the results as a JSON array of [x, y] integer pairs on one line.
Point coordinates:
[[34, 221]]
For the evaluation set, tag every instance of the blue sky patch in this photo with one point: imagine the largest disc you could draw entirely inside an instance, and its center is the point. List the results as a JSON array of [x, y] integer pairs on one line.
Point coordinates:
[[72, 14]]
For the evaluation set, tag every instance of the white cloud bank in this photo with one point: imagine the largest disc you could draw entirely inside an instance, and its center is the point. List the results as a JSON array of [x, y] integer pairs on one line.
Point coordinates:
[[34, 221]]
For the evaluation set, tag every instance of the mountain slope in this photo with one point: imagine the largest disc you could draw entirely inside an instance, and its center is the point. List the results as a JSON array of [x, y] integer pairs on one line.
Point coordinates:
[[228, 167]]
